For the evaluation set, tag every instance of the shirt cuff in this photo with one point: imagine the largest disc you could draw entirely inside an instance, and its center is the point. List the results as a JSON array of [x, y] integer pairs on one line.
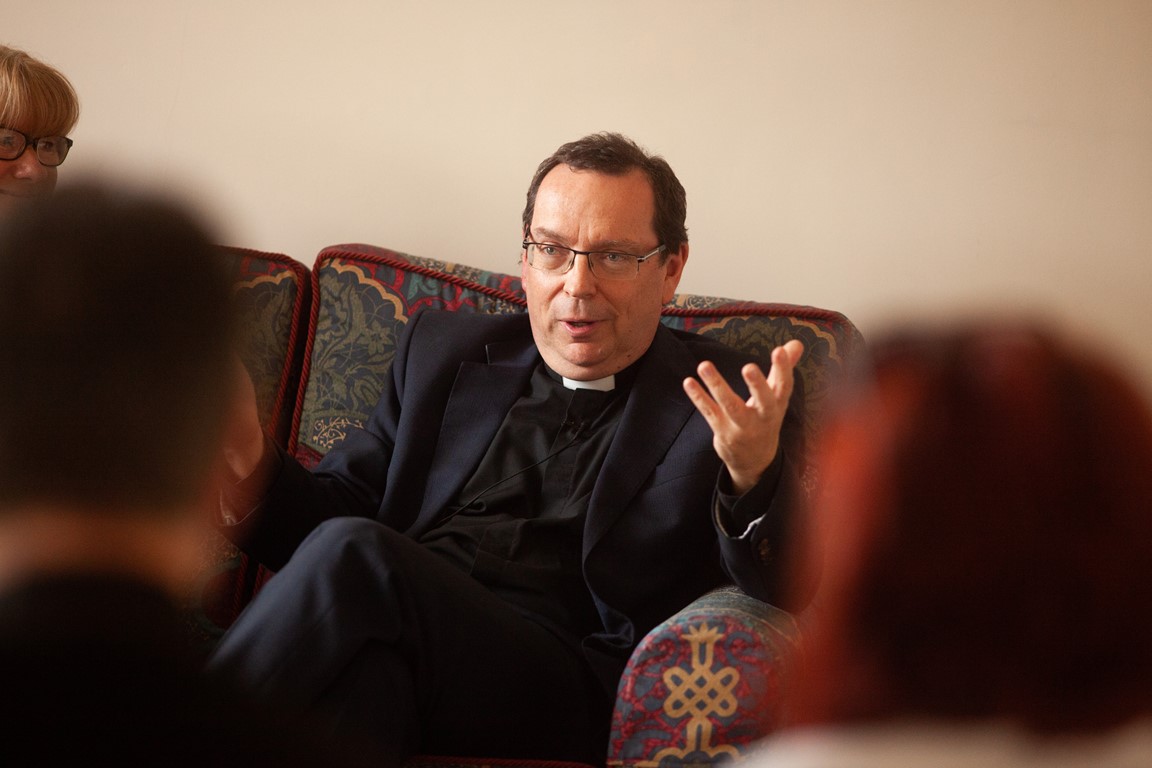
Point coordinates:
[[741, 512]]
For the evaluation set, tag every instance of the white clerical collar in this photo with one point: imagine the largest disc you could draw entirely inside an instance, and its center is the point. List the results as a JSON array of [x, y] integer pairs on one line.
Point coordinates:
[[606, 384]]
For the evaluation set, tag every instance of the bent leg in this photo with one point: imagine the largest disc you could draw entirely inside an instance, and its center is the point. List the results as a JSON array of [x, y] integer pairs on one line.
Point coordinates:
[[383, 639]]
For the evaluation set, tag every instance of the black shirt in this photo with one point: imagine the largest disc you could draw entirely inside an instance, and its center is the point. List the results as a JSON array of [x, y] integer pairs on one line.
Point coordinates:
[[517, 526]]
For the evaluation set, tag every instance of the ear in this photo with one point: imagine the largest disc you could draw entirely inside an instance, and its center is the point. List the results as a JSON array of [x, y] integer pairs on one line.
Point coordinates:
[[673, 271], [524, 262]]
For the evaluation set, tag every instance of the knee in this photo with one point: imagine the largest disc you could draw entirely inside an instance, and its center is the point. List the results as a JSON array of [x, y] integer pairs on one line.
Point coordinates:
[[339, 538], [337, 529]]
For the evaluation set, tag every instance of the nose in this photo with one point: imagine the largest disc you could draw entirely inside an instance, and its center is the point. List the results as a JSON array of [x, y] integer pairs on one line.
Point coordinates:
[[28, 166], [579, 280]]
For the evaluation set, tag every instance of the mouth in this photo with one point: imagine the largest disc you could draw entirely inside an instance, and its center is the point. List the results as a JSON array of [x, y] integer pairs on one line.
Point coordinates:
[[579, 327]]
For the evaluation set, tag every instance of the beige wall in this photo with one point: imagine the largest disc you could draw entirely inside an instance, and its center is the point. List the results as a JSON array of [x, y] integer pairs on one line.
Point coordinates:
[[883, 157]]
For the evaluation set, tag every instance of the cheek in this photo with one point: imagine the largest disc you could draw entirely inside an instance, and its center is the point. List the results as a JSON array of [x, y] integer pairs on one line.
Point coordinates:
[[45, 182], [637, 321], [539, 289], [640, 306], [528, 283]]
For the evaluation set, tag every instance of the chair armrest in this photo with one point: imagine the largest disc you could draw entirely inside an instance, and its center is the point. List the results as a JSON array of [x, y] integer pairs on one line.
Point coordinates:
[[705, 685]]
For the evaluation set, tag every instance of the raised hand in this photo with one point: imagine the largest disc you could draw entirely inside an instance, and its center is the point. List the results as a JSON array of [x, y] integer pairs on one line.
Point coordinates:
[[746, 433]]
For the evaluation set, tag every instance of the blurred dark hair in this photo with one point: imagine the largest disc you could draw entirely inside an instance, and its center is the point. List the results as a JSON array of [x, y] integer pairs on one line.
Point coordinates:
[[116, 329], [985, 526], [617, 155]]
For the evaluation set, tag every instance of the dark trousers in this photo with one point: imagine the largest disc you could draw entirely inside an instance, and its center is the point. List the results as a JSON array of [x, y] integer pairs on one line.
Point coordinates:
[[399, 653]]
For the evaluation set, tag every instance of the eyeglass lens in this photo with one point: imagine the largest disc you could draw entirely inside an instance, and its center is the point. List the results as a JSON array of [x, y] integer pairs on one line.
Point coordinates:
[[556, 258], [50, 150]]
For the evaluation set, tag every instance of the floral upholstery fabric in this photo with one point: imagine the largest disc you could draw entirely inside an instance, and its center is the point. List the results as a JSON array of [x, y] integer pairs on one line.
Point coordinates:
[[704, 685], [271, 293], [364, 296]]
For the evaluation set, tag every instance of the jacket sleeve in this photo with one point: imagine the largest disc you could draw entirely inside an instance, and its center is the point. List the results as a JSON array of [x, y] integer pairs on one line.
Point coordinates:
[[760, 556], [761, 531], [349, 481]]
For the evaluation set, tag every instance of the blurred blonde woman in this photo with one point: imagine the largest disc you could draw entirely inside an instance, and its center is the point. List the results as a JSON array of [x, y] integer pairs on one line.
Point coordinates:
[[38, 109]]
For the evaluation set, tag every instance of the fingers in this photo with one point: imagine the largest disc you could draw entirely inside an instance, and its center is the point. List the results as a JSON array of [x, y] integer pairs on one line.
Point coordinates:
[[759, 387], [788, 354], [746, 432], [700, 399], [784, 360], [703, 400], [723, 395], [766, 393]]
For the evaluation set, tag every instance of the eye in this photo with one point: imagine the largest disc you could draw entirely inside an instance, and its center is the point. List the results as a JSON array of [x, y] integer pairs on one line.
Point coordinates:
[[548, 250]]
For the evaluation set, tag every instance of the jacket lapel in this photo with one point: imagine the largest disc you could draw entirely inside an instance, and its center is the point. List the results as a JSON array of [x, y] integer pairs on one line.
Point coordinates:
[[481, 396], [655, 415]]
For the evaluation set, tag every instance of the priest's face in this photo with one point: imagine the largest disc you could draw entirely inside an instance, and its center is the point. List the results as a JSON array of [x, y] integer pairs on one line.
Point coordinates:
[[587, 325]]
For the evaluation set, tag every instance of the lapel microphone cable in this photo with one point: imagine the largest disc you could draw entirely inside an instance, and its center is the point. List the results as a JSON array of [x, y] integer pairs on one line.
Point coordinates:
[[581, 428]]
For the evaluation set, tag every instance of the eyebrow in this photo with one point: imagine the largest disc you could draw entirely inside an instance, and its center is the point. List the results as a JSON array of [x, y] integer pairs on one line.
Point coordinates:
[[606, 245]]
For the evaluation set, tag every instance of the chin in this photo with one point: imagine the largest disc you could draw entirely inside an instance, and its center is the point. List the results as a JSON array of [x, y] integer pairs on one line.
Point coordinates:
[[10, 203], [580, 370]]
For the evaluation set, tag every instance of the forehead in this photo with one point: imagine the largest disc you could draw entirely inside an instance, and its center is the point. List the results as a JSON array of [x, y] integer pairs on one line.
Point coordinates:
[[39, 108], [32, 124], [594, 207]]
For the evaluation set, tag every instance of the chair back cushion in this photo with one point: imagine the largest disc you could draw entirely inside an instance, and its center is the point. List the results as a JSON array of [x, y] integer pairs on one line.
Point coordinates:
[[272, 292]]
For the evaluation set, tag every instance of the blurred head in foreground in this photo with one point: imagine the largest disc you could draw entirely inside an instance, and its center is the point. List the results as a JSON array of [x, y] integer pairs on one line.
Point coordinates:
[[986, 538], [38, 109], [116, 327]]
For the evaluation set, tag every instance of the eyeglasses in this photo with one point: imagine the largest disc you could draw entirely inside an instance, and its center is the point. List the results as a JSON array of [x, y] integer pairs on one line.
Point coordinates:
[[50, 150], [610, 265]]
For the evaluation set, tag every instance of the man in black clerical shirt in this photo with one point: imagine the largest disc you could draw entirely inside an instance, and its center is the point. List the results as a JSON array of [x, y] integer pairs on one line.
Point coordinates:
[[469, 572]]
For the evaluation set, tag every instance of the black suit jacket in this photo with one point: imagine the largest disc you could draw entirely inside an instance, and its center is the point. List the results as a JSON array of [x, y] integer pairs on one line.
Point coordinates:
[[652, 542]]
